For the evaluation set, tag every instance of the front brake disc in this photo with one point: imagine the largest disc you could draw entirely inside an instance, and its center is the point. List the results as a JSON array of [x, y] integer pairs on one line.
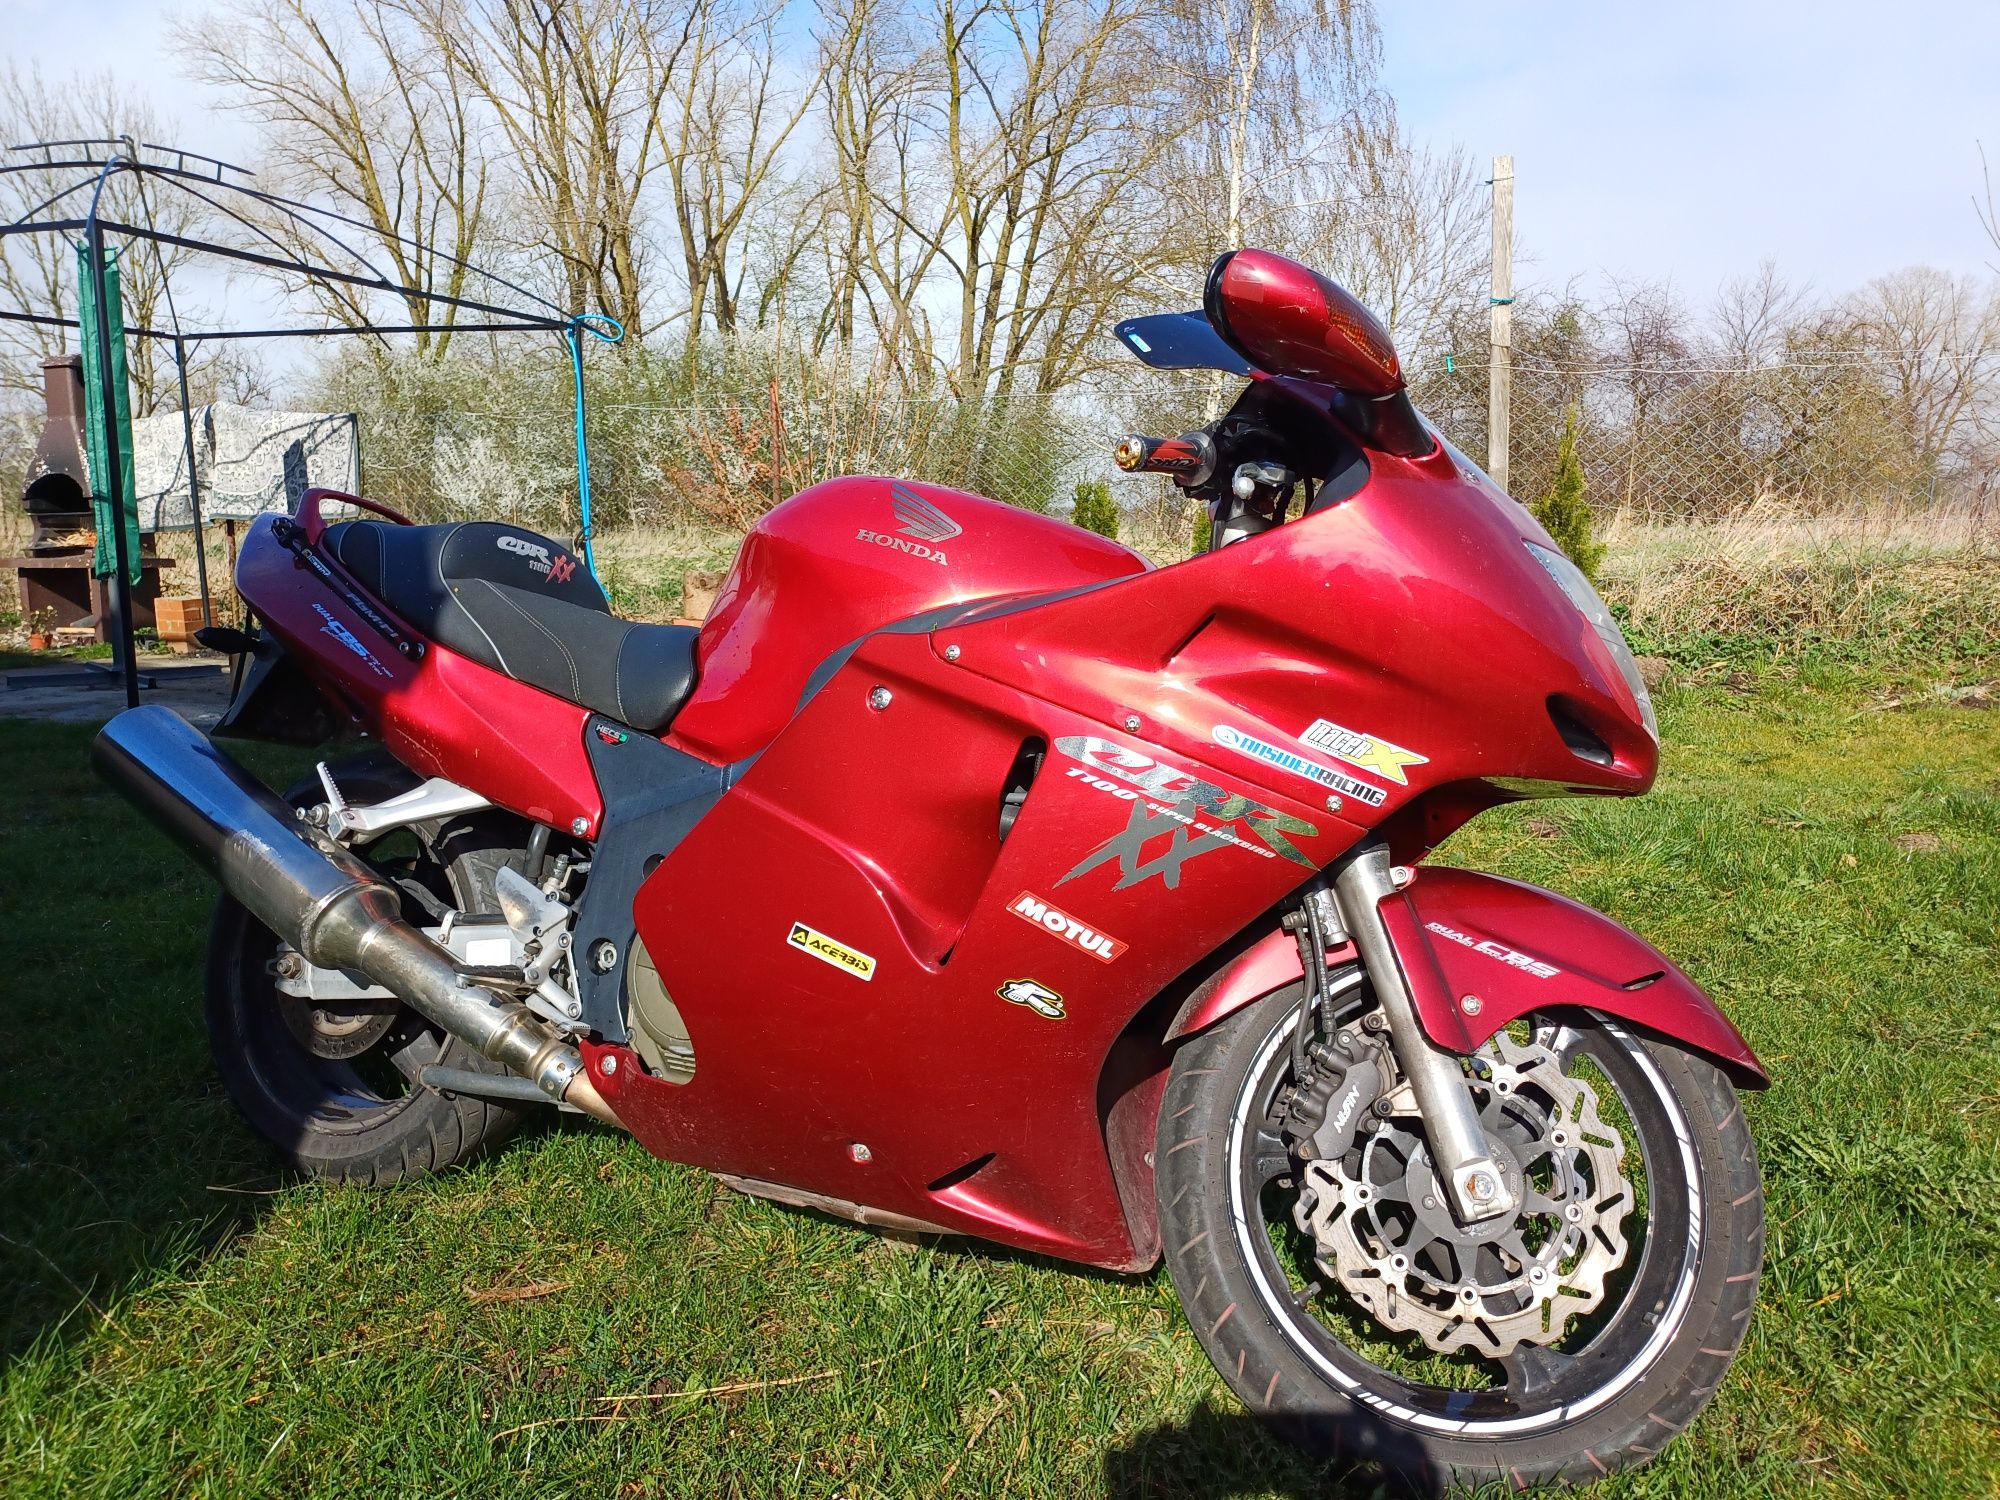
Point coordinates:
[[1382, 1228]]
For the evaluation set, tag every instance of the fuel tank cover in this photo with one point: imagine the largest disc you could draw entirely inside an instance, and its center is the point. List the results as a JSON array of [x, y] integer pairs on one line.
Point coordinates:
[[848, 557]]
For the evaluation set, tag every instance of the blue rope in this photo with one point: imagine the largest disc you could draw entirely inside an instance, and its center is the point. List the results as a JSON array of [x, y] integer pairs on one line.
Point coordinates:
[[587, 323]]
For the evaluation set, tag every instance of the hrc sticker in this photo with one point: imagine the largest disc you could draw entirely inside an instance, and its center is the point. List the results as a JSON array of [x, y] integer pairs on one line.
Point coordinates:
[[1376, 756], [826, 950]]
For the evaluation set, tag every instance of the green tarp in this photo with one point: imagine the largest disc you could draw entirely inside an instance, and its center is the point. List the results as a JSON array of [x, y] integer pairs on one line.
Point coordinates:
[[101, 502]]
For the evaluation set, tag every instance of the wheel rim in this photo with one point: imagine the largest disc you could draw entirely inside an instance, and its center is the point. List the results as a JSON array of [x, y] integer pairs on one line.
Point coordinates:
[[1467, 1394], [334, 1093], [330, 1068]]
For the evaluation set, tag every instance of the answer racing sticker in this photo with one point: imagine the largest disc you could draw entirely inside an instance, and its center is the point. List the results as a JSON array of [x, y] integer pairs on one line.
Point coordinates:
[[1300, 765]]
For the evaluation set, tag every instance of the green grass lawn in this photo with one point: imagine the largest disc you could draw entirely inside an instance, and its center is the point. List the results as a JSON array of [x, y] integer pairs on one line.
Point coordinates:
[[179, 1319]]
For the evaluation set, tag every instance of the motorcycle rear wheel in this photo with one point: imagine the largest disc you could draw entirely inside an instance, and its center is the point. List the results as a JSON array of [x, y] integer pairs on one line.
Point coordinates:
[[362, 1117], [1330, 1377]]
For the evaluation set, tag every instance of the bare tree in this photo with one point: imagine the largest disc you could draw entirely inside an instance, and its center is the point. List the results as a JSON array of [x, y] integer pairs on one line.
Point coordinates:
[[38, 271], [1264, 84], [1401, 226], [1752, 315], [363, 113], [1936, 338], [1983, 206], [725, 119]]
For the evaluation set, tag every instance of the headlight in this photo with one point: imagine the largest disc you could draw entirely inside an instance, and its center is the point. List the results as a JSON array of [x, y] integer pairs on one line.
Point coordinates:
[[1569, 578]]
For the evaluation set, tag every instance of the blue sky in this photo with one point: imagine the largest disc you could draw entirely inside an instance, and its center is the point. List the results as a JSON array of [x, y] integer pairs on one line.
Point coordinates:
[[1682, 139], [1690, 139]]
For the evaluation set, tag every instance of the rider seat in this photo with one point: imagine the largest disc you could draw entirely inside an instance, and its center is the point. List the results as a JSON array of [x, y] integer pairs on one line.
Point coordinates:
[[525, 605]]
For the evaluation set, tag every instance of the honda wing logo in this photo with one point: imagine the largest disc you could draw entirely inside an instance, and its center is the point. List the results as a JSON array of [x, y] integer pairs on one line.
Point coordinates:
[[922, 529], [919, 518]]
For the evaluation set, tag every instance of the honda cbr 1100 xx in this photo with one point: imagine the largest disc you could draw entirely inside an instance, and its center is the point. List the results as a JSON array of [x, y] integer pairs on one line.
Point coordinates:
[[963, 873]]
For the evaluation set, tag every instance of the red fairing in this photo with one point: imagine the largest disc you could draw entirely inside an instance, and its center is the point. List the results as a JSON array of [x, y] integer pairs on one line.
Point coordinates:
[[1402, 643], [850, 556], [879, 830], [441, 715], [1290, 320], [1516, 948]]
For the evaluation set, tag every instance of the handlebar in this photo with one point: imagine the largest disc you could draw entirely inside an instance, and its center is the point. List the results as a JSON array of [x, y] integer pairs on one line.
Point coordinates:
[[1189, 458]]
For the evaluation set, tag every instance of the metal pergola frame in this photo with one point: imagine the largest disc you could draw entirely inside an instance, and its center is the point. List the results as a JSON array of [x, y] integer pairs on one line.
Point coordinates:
[[227, 190]]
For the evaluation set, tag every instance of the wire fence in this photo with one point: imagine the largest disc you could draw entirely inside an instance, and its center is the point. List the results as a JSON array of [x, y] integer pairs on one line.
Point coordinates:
[[1656, 446], [1705, 443]]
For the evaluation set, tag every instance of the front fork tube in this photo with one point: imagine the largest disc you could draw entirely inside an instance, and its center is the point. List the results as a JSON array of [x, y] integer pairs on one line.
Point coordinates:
[[1477, 1188]]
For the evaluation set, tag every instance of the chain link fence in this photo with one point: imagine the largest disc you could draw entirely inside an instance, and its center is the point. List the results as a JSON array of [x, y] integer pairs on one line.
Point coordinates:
[[1704, 444], [1657, 447]]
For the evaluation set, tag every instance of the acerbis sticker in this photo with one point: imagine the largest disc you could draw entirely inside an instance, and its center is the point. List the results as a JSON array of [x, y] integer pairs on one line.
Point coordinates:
[[826, 950], [1053, 919], [1032, 993], [1376, 756], [1493, 950], [1299, 765]]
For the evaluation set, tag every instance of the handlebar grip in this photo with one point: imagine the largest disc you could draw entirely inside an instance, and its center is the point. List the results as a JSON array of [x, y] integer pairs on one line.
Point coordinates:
[[1189, 458]]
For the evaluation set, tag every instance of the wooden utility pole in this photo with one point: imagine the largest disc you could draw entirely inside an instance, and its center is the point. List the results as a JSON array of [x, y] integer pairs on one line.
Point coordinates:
[[1500, 365]]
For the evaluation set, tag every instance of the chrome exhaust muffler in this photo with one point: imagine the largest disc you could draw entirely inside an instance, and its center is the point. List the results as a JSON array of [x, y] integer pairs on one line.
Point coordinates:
[[318, 897]]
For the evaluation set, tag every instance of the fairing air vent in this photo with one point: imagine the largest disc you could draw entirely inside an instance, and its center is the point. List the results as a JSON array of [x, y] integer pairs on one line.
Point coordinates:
[[1583, 742]]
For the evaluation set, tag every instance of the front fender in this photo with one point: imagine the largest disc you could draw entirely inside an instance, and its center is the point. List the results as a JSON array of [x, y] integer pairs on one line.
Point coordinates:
[[1479, 951]]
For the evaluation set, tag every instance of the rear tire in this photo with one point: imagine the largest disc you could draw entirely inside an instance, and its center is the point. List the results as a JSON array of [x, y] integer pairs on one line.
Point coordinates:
[[362, 1119], [1622, 1390]]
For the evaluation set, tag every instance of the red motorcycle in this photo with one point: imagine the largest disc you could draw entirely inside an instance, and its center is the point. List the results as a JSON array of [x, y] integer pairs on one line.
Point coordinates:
[[965, 874]]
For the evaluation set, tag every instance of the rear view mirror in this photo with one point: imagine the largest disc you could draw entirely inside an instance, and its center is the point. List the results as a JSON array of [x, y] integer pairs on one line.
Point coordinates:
[[1287, 319]]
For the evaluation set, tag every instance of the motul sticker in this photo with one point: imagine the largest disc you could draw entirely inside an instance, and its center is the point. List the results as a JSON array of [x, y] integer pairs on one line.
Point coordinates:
[[1035, 995], [1376, 756], [826, 950], [1053, 919]]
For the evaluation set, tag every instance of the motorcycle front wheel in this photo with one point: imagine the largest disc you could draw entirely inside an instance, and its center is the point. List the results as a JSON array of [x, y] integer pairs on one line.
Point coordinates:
[[1342, 1303]]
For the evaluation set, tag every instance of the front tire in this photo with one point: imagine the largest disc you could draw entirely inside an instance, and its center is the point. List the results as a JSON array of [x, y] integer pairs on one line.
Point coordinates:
[[1308, 1356]]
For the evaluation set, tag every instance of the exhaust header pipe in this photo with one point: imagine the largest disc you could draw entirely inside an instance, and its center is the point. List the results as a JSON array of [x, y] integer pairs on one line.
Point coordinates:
[[318, 897]]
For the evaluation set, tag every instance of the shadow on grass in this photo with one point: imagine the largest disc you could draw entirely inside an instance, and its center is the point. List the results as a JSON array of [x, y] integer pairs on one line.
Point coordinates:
[[121, 1159], [1215, 1453]]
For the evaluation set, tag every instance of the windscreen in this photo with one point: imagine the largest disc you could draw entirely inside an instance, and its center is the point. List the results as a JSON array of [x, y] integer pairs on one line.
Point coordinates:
[[1180, 341]]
